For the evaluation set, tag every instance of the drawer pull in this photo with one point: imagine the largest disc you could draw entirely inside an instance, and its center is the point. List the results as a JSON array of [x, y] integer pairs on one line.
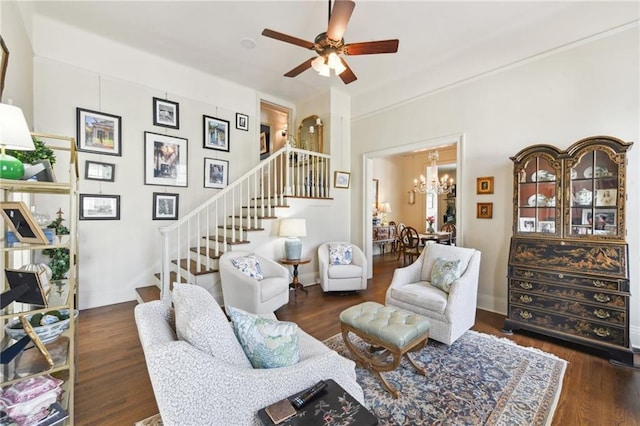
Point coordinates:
[[602, 298], [602, 332], [599, 283], [526, 315], [561, 276], [525, 299], [601, 313], [528, 274], [526, 285]]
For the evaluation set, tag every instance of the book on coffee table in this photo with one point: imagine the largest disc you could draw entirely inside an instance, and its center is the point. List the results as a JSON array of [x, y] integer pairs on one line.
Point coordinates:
[[332, 406]]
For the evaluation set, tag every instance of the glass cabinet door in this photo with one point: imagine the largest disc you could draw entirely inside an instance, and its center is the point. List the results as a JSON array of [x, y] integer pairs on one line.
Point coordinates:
[[593, 177], [537, 195]]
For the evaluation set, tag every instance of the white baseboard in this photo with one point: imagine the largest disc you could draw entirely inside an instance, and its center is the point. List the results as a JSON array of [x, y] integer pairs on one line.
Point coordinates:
[[497, 305]]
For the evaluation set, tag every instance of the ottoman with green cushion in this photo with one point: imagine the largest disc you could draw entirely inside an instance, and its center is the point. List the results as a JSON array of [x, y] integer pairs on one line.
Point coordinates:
[[396, 331]]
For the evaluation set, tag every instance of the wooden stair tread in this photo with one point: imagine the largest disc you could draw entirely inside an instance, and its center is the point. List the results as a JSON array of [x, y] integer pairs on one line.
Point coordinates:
[[148, 293], [193, 265], [173, 277], [303, 197], [229, 240], [254, 217], [238, 227], [203, 251]]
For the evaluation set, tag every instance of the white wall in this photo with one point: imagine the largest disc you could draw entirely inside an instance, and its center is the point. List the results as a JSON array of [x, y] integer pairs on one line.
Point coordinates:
[[589, 89], [77, 69]]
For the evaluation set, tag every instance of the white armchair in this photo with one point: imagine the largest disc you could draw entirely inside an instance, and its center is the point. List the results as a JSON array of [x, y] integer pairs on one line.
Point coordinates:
[[257, 296], [450, 314], [342, 277]]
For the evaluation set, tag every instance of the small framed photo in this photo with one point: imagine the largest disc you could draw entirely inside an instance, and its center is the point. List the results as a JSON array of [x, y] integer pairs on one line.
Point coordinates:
[[527, 224], [98, 132], [242, 122], [37, 290], [216, 133], [547, 226], [341, 179], [484, 210], [20, 221], [606, 197], [95, 170], [165, 160], [99, 207], [265, 141], [166, 113], [484, 185], [216, 173], [165, 206]]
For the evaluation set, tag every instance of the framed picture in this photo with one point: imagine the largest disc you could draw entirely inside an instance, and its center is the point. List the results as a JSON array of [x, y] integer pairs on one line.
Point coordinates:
[[165, 160], [36, 290], [95, 170], [606, 197], [484, 185], [216, 133], [98, 132], [216, 173], [527, 224], [265, 141], [242, 122], [342, 180], [166, 113], [99, 207], [20, 221], [165, 206], [547, 226], [484, 210], [4, 61], [603, 218]]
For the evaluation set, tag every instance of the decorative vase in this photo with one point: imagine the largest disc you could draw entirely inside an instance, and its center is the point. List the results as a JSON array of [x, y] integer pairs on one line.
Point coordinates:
[[430, 229]]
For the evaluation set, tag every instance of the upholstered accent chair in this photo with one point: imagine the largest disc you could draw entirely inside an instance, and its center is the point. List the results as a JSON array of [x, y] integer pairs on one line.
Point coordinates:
[[256, 295], [199, 371], [449, 303], [338, 273]]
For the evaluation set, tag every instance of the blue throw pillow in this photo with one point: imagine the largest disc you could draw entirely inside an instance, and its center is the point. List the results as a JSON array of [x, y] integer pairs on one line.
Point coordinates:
[[248, 265], [268, 343], [444, 273], [340, 254]]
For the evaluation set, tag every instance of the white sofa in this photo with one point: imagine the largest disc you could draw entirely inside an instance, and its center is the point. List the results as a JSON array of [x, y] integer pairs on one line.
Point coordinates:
[[342, 277], [450, 314], [210, 381]]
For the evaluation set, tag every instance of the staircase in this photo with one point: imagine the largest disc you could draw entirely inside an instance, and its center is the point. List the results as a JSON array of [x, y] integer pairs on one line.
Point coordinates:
[[237, 217]]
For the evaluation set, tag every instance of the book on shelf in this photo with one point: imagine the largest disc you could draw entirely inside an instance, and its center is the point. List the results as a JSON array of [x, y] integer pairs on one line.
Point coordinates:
[[56, 416]]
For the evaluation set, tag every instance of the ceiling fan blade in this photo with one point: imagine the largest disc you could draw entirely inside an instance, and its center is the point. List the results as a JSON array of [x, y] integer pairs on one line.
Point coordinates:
[[371, 47], [287, 38], [300, 68], [339, 19], [347, 75]]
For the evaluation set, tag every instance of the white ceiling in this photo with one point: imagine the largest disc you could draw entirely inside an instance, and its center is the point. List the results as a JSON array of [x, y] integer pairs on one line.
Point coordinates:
[[435, 37]]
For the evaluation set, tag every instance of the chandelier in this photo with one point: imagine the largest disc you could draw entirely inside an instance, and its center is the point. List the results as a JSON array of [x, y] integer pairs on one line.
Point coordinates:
[[442, 186]]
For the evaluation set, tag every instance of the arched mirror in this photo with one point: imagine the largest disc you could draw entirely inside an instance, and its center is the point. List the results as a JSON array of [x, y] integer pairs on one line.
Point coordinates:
[[310, 134]]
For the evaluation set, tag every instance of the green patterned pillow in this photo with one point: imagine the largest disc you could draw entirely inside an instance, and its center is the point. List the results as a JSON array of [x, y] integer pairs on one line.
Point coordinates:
[[266, 342], [444, 273]]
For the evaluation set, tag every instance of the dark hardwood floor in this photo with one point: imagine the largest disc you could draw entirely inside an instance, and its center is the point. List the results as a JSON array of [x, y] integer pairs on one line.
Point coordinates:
[[114, 388]]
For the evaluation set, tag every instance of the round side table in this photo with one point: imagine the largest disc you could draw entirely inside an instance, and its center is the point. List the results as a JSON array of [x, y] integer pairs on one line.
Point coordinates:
[[295, 284]]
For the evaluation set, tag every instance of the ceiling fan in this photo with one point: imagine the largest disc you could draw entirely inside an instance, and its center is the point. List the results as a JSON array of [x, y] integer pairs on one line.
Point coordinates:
[[330, 45]]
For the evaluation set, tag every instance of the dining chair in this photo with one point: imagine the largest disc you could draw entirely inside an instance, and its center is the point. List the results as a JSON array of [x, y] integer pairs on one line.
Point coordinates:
[[399, 229], [451, 228], [409, 244]]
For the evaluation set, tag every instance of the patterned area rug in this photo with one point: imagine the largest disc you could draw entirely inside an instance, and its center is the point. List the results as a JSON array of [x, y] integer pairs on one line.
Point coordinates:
[[480, 379]]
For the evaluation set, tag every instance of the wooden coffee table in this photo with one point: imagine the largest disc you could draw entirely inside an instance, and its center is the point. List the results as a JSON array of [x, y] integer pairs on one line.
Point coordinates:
[[395, 331]]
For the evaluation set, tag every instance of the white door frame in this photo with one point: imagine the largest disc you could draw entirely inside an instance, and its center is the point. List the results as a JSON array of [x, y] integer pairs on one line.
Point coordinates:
[[367, 167]]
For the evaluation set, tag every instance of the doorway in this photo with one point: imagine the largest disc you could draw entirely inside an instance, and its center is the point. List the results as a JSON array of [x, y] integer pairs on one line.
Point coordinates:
[[398, 187]]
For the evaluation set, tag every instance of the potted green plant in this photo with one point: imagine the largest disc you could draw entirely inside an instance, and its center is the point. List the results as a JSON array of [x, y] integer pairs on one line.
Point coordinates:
[[42, 152], [59, 256]]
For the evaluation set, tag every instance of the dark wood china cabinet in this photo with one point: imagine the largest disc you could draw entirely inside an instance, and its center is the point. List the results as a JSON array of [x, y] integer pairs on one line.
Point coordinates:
[[568, 272]]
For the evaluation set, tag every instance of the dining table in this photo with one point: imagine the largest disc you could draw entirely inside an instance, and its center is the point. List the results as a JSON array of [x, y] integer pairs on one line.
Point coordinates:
[[438, 236]]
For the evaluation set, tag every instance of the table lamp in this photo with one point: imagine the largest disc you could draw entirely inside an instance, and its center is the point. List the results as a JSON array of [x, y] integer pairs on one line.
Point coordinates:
[[14, 134], [292, 229]]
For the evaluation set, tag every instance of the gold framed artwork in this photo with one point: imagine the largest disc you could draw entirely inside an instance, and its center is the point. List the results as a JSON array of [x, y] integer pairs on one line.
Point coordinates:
[[484, 210], [4, 61], [341, 179], [484, 185], [20, 221]]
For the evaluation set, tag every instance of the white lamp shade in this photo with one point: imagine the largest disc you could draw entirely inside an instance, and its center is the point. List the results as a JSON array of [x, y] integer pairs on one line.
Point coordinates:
[[14, 131], [293, 228]]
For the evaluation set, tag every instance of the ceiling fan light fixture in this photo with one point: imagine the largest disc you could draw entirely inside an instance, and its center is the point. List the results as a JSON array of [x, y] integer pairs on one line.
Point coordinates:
[[333, 60], [325, 70], [339, 68], [317, 63]]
